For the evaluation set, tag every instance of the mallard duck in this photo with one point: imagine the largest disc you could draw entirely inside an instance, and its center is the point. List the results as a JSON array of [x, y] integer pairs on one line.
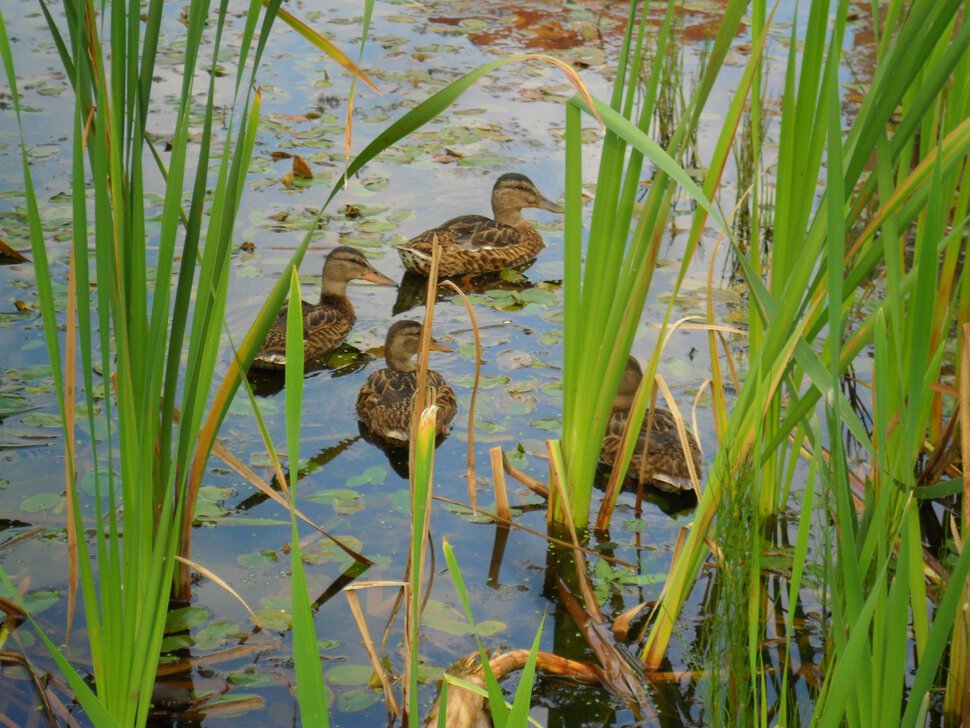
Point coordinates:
[[666, 466], [384, 402], [327, 323], [478, 244]]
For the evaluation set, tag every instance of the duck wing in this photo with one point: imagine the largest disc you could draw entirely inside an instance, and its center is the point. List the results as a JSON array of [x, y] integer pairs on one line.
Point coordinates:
[[325, 326]]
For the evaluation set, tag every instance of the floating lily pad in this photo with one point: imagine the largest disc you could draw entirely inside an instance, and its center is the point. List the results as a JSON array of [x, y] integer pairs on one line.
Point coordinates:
[[350, 674], [256, 559], [186, 618], [215, 635], [275, 619], [374, 475], [251, 679], [38, 601], [358, 699], [176, 642], [550, 424], [40, 502]]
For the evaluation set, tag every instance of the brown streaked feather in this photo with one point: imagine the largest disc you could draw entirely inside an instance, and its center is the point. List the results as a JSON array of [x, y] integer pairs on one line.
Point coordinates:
[[662, 458], [664, 454], [325, 326], [476, 244], [385, 400]]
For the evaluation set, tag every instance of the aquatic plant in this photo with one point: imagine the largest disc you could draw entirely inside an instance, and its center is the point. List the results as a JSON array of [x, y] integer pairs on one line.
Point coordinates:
[[155, 345]]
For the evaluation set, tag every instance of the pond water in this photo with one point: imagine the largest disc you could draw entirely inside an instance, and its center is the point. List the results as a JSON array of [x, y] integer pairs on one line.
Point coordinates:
[[512, 121]]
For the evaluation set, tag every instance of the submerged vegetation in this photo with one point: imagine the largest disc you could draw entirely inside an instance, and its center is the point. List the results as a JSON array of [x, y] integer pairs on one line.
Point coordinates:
[[833, 483]]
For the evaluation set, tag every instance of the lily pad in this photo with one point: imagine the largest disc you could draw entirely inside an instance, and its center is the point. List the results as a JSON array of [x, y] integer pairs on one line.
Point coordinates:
[[275, 619], [40, 502], [256, 559], [251, 679], [350, 674], [38, 601], [186, 618], [374, 475], [358, 699], [215, 635]]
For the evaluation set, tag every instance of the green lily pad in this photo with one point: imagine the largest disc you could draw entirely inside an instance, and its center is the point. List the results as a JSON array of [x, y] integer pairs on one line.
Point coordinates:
[[250, 679], [186, 618], [350, 674], [358, 699], [40, 502], [215, 635], [259, 558], [275, 619], [41, 419], [374, 475], [176, 642], [550, 424], [38, 601]]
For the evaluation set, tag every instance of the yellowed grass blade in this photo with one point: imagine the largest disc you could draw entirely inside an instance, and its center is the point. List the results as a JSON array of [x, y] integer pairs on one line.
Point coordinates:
[[375, 660], [681, 433], [266, 489], [325, 46], [209, 574]]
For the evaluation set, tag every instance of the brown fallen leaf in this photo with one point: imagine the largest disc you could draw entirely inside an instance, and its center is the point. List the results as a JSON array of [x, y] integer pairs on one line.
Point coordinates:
[[9, 255], [300, 168], [280, 155], [22, 306]]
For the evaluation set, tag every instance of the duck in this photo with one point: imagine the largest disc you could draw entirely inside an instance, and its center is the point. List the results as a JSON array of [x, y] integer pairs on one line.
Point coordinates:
[[326, 323], [666, 465], [385, 400], [473, 244]]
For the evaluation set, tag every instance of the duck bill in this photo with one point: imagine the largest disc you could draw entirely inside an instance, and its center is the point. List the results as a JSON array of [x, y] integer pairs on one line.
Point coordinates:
[[375, 276], [435, 345], [545, 203]]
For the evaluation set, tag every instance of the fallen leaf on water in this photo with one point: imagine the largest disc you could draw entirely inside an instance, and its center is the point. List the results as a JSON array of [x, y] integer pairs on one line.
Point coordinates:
[[9, 255], [301, 169], [21, 306], [280, 155]]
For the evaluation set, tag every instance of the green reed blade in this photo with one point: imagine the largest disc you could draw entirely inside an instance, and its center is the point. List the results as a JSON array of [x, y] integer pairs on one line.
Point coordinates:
[[519, 715], [496, 702], [310, 688]]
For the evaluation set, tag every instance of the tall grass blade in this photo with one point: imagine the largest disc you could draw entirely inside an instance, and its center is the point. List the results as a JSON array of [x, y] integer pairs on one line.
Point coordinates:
[[310, 689]]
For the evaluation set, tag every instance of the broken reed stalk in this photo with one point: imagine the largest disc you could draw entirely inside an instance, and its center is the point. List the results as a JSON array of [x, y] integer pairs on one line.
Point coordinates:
[[498, 482]]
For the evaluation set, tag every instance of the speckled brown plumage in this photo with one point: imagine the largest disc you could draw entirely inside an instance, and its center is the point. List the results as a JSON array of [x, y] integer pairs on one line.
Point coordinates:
[[326, 323], [665, 461], [478, 244], [385, 400]]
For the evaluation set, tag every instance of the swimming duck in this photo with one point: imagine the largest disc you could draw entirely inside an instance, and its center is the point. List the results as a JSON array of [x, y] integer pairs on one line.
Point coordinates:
[[666, 466], [327, 323], [478, 244], [384, 402]]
